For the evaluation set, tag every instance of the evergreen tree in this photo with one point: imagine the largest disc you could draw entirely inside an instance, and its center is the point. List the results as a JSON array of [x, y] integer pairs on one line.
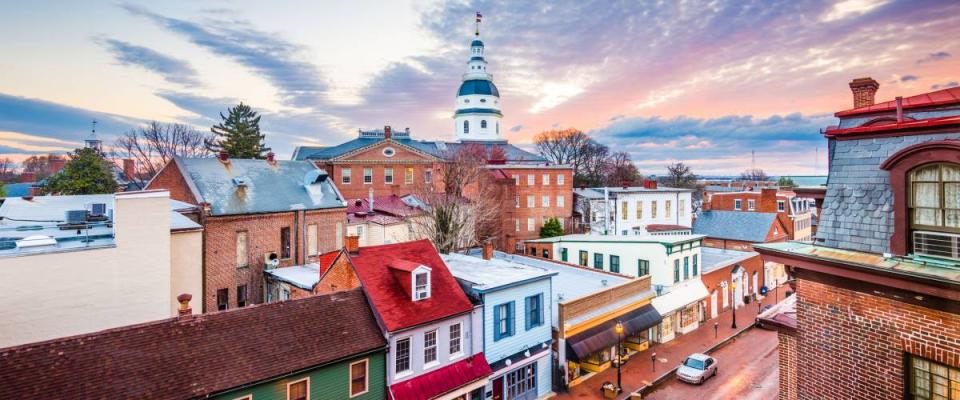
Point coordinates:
[[238, 134], [551, 228], [86, 173], [785, 182]]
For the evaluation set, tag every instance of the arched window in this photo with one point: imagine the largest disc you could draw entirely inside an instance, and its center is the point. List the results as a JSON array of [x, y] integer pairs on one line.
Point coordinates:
[[935, 197], [466, 126], [483, 124]]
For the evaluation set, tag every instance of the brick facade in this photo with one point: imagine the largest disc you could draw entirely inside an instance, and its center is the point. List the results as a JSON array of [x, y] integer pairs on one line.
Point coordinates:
[[339, 277], [787, 352], [263, 236], [713, 279], [538, 212], [854, 343], [171, 179], [764, 200], [375, 159]]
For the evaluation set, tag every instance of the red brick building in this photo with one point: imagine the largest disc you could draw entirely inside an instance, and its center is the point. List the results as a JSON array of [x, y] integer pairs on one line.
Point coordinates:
[[795, 213], [878, 294], [724, 274], [735, 230], [256, 213]]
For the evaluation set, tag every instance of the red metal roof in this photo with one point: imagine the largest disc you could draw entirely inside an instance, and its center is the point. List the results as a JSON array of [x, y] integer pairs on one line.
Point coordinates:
[[940, 97], [326, 260], [443, 380], [391, 301], [905, 125]]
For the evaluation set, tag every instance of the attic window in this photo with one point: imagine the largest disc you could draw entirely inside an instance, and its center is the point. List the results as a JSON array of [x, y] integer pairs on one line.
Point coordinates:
[[389, 152], [421, 286]]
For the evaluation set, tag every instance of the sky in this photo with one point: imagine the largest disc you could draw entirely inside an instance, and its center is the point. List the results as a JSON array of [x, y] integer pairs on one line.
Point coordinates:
[[719, 85]]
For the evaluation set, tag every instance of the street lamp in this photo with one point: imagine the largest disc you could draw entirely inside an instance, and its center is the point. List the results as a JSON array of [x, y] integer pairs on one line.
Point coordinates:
[[653, 361], [733, 290], [619, 329]]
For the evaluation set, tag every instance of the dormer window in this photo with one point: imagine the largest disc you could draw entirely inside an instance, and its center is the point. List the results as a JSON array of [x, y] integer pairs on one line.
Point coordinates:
[[421, 285]]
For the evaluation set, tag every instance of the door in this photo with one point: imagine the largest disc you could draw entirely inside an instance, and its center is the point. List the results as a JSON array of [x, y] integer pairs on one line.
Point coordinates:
[[713, 304], [498, 388], [756, 285], [522, 383], [726, 296]]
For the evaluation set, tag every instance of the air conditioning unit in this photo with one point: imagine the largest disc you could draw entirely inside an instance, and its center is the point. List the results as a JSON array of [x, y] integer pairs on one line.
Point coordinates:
[[936, 244], [271, 260]]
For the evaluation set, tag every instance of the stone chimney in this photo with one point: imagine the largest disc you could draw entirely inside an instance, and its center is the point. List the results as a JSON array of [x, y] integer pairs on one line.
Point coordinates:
[[387, 132], [185, 311], [129, 168], [864, 91], [488, 250], [353, 244]]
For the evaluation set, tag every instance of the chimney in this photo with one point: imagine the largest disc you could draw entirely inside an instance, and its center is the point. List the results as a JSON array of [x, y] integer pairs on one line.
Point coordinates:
[[488, 250], [129, 168], [56, 164], [649, 184], [899, 109], [864, 91], [353, 244], [185, 311], [387, 133], [625, 183], [370, 200], [223, 156], [27, 177], [271, 158]]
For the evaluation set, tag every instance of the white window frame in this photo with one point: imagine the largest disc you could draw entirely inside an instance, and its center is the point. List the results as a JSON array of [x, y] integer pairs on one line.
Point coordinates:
[[366, 378], [516, 180], [561, 200], [396, 357], [781, 205], [546, 179], [737, 203], [313, 240], [545, 200], [751, 205], [531, 201], [428, 175], [530, 224], [517, 223], [517, 200], [682, 207], [459, 340], [426, 347], [416, 288], [346, 176], [531, 180], [365, 176], [307, 379], [561, 179], [388, 175], [408, 174]]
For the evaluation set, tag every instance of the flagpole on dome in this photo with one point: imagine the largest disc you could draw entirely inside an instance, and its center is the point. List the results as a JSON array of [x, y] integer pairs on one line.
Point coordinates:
[[479, 17]]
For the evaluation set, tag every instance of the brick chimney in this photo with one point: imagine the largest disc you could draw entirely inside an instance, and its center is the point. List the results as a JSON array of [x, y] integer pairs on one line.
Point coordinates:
[[353, 244], [488, 250], [184, 311], [223, 156], [768, 200], [864, 91], [649, 184], [129, 168], [387, 132], [271, 158]]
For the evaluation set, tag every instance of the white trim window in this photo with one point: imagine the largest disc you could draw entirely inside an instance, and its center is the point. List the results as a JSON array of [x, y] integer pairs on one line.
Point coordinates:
[[560, 179], [430, 347], [531, 180], [751, 204], [546, 200], [359, 378], [546, 179], [367, 176], [517, 223], [781, 205], [299, 390], [530, 223], [421, 285], [345, 175], [456, 339], [516, 180], [428, 176], [388, 175], [402, 362], [517, 200], [312, 242], [736, 204], [531, 201], [560, 200]]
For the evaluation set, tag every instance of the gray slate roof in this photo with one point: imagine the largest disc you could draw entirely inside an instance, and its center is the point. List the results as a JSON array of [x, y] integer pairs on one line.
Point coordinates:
[[435, 148], [734, 225], [284, 186]]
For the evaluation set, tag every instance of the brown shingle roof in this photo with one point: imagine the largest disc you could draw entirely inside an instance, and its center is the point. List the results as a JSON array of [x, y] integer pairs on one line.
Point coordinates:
[[179, 359]]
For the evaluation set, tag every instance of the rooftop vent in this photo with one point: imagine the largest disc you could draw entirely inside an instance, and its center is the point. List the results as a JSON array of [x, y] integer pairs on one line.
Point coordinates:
[[36, 241], [76, 217]]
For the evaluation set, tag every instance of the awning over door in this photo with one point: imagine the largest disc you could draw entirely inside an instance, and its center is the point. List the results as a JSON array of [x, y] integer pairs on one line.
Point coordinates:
[[581, 345]]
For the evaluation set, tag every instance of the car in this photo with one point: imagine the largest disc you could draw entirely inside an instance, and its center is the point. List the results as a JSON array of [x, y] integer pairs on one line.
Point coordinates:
[[697, 368]]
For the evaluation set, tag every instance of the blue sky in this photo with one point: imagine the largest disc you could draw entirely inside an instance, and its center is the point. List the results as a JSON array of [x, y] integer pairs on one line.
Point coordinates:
[[704, 83]]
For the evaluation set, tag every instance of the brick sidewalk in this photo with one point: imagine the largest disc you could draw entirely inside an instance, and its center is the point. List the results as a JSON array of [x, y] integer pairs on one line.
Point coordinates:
[[638, 371]]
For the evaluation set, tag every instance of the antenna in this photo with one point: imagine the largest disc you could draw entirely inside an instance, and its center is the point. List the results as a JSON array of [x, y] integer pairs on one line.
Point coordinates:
[[94, 129]]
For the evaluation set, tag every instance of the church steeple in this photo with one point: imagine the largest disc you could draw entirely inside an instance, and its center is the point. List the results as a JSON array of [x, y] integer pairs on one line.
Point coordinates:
[[477, 117]]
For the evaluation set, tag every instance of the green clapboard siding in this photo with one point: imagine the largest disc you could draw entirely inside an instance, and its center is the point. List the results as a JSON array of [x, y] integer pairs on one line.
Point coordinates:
[[327, 383]]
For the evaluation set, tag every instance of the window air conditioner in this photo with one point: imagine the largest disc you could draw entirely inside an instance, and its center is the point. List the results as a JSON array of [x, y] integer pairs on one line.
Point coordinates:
[[936, 244]]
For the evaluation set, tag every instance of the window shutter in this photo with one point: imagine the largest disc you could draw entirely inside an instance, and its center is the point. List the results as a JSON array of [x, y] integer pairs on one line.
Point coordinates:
[[496, 323], [510, 318], [528, 309], [540, 309]]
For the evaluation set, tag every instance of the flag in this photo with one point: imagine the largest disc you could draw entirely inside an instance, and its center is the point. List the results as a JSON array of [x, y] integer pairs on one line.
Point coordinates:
[[479, 16]]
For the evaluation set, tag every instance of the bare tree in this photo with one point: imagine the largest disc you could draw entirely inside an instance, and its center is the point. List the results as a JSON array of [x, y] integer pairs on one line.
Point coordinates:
[[6, 169], [754, 175], [680, 175], [594, 164], [621, 170], [466, 213], [563, 146], [41, 166], [155, 144]]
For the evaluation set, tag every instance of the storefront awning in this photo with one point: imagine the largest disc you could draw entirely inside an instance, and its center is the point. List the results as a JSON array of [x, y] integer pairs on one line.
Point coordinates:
[[443, 380], [681, 295], [583, 344]]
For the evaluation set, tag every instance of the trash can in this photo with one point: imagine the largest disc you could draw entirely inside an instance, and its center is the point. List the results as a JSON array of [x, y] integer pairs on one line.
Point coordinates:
[[609, 390]]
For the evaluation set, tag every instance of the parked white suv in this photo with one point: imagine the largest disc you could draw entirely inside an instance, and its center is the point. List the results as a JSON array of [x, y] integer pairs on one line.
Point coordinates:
[[696, 368]]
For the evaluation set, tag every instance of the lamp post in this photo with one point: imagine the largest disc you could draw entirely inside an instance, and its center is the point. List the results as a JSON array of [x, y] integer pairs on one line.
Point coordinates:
[[653, 361], [733, 290], [619, 329], [716, 326]]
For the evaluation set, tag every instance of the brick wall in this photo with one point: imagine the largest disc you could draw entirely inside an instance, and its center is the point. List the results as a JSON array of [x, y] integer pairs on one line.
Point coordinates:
[[712, 280], [787, 352], [171, 179], [339, 277], [538, 212], [728, 244], [854, 343], [263, 236]]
